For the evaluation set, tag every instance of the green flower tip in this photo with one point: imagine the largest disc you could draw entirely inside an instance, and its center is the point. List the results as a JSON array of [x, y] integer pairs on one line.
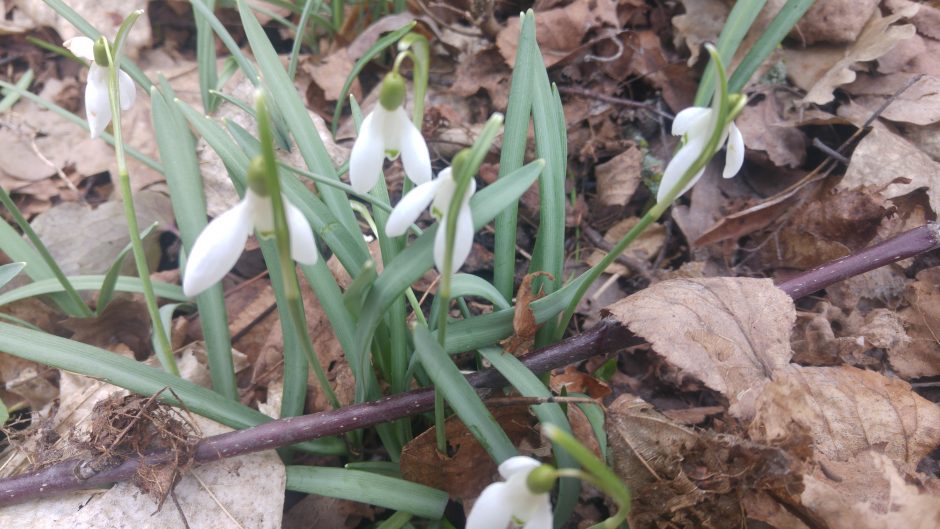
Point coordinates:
[[392, 94], [459, 162], [257, 180], [736, 102], [542, 479], [101, 52]]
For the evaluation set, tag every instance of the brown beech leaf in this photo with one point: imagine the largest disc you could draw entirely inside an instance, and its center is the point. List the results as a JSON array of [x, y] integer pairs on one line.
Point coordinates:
[[882, 158], [730, 333], [524, 325], [618, 177], [848, 411], [919, 104], [870, 493]]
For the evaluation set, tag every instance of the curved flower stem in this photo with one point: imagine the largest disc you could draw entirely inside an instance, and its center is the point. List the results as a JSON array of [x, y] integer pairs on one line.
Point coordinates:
[[164, 349], [661, 206], [295, 310]]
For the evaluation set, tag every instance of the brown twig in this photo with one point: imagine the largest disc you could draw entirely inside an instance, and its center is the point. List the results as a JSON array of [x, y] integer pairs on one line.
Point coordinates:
[[605, 337], [581, 92]]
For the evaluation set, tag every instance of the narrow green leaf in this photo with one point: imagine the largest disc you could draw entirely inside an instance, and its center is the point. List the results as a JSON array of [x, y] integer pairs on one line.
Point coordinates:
[[205, 57], [529, 385], [595, 417], [166, 318], [199, 6], [789, 15], [461, 396], [366, 487], [463, 285], [4, 413], [90, 282], [10, 98], [739, 21], [515, 139], [370, 54], [127, 373], [114, 271], [177, 148], [310, 6], [9, 271]]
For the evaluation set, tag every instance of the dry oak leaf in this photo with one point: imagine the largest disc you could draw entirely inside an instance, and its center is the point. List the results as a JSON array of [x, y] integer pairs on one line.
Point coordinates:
[[730, 333], [919, 354], [877, 38], [882, 158], [848, 411], [871, 494]]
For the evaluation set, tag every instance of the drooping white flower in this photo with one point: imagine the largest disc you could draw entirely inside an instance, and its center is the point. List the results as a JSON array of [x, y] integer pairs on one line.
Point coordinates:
[[698, 123], [385, 133], [97, 104], [218, 246], [512, 500], [438, 193]]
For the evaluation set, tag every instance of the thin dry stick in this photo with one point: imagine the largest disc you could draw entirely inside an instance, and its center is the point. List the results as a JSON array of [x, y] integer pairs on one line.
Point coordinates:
[[605, 337]]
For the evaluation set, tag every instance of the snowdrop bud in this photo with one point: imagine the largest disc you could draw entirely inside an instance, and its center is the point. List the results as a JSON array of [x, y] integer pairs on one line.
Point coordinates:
[[257, 179], [542, 479], [101, 52], [392, 93], [460, 160]]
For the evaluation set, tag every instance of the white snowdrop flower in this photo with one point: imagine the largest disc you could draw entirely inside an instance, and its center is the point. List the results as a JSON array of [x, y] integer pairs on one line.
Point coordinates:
[[221, 243], [385, 133], [438, 193], [698, 123], [97, 104], [513, 500]]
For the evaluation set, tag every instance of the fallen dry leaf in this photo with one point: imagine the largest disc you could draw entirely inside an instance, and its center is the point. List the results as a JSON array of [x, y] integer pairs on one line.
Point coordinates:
[[877, 38], [730, 333], [917, 356], [848, 411], [871, 493], [644, 248], [683, 478], [702, 22], [618, 178], [919, 104], [765, 128], [466, 469], [882, 158], [833, 21], [524, 326]]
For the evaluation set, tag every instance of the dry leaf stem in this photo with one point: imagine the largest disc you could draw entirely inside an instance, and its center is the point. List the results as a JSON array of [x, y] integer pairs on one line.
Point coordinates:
[[607, 336]]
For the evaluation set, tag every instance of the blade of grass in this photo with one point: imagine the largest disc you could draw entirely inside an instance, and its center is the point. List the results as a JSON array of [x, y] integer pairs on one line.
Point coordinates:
[[181, 168], [368, 487], [15, 248], [515, 139], [10, 98], [739, 21], [789, 15], [90, 282], [461, 396], [205, 57], [529, 385], [127, 373]]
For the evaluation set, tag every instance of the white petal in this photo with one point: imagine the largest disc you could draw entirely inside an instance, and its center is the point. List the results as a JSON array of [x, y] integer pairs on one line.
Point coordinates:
[[734, 158], [409, 208], [82, 47], [491, 510], [303, 247], [517, 464], [392, 124], [217, 249], [97, 104], [463, 241], [368, 153], [127, 89], [688, 118], [677, 167], [542, 516], [414, 154]]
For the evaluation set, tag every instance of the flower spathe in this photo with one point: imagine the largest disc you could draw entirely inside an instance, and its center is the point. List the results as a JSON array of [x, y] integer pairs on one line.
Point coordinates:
[[385, 133], [218, 246], [698, 123], [97, 103], [512, 500], [438, 193]]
